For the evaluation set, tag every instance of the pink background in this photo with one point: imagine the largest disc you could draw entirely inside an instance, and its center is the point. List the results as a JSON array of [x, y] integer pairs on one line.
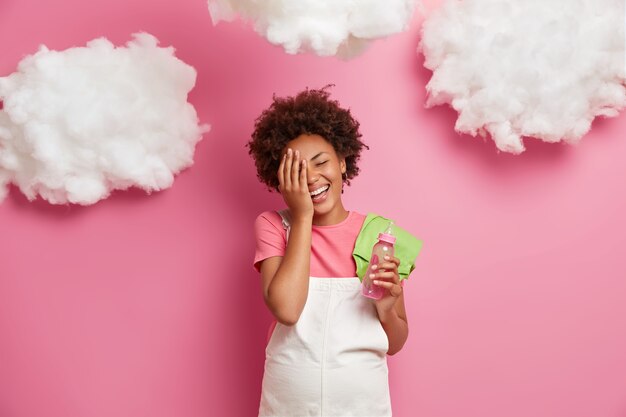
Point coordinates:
[[134, 307]]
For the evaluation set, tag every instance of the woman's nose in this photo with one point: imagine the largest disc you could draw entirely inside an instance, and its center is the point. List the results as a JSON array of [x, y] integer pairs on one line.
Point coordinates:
[[311, 175]]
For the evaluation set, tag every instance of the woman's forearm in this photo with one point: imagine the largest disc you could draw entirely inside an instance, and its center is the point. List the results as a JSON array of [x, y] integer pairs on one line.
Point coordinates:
[[289, 288], [397, 330]]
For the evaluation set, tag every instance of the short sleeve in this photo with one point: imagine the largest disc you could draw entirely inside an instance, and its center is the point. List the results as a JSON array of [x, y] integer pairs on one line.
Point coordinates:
[[269, 236]]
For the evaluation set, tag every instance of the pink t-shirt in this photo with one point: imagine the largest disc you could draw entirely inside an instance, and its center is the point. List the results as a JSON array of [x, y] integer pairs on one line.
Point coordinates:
[[331, 246]]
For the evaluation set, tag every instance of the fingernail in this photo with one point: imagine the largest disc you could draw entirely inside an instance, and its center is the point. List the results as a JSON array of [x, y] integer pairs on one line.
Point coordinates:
[[372, 275], [289, 151], [375, 282], [386, 257], [374, 266], [297, 153]]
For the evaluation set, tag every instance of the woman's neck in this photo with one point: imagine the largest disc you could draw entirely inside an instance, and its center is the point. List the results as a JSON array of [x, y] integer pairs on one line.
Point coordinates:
[[335, 216]]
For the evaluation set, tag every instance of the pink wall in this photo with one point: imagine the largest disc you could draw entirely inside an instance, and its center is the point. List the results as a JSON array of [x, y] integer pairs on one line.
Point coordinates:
[[131, 307]]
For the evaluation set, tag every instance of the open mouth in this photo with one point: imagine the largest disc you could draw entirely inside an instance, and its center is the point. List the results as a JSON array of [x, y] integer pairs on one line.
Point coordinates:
[[320, 194]]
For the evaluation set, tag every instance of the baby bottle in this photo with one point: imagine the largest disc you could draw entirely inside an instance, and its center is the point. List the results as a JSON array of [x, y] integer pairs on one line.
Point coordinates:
[[383, 247]]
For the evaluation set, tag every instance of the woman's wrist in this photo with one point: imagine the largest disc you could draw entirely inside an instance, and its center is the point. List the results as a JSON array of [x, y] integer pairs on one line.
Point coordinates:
[[387, 316], [302, 219]]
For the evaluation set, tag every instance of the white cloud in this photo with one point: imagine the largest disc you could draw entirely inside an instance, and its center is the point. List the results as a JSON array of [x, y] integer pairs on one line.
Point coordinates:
[[82, 122], [535, 68], [326, 27]]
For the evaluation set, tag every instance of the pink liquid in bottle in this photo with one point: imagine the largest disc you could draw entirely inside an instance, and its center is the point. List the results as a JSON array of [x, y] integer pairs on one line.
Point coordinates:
[[383, 247]]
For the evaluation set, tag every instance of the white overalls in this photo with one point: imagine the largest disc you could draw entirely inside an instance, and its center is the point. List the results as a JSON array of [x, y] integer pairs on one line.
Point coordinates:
[[333, 361]]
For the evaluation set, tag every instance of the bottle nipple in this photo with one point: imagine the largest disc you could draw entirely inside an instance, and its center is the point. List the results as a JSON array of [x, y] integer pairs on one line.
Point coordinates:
[[387, 235]]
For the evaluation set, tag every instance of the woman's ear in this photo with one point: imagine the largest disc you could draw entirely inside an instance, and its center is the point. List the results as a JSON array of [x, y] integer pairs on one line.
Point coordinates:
[[344, 177]]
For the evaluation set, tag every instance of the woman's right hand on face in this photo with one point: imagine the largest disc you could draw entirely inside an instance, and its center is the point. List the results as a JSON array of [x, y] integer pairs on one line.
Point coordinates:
[[293, 185]]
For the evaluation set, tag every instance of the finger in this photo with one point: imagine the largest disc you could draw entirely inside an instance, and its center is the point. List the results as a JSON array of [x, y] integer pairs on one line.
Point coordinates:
[[386, 265], [281, 167], [390, 275], [394, 289], [287, 171], [383, 275], [387, 268], [392, 259], [295, 166], [304, 182]]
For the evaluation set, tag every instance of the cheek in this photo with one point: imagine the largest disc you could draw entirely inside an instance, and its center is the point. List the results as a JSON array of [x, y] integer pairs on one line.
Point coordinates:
[[332, 172], [334, 176]]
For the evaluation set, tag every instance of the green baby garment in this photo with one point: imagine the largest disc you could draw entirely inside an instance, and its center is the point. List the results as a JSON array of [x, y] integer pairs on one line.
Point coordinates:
[[406, 247]]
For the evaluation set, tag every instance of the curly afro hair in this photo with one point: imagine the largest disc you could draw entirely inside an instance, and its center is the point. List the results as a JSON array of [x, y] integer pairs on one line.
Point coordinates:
[[310, 112]]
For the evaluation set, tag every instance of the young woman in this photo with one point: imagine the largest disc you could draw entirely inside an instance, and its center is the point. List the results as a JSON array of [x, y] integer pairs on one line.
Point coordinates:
[[327, 352]]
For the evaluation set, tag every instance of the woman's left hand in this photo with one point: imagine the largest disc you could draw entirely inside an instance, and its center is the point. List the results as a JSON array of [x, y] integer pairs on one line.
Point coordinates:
[[386, 276]]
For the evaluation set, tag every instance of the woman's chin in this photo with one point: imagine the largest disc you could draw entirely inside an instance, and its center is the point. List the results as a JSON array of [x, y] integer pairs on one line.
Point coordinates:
[[324, 207]]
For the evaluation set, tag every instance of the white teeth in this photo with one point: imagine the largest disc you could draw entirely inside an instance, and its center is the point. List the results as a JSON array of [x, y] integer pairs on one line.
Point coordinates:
[[319, 190]]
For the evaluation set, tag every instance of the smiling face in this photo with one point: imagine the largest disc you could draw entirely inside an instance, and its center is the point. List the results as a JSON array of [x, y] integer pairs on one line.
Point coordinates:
[[325, 169]]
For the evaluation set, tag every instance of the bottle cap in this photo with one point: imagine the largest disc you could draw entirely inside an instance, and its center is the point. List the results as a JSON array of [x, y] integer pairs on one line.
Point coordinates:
[[388, 236]]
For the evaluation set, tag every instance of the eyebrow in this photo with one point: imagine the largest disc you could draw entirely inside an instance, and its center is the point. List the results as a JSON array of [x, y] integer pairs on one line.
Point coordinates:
[[317, 155]]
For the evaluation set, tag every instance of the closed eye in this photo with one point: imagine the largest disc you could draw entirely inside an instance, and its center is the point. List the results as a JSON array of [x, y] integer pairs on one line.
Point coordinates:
[[322, 163]]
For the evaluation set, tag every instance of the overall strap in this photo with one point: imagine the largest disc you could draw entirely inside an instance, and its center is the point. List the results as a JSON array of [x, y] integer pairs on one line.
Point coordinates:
[[286, 216]]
